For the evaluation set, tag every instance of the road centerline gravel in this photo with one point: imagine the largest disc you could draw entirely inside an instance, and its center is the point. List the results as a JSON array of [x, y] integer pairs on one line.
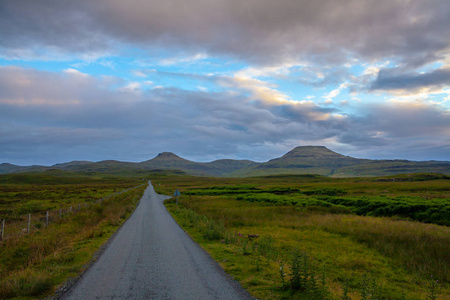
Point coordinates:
[[151, 257]]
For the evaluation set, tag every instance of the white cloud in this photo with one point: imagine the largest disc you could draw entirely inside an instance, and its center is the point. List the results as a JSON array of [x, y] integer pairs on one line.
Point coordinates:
[[75, 72], [334, 93], [139, 73], [183, 59]]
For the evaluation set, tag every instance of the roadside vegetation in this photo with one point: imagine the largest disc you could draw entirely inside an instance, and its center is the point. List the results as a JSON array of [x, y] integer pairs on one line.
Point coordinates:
[[33, 266], [313, 237]]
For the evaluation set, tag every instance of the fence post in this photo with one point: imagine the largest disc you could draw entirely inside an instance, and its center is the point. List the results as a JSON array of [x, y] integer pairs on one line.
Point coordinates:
[[46, 219], [3, 230], [29, 223], [70, 209]]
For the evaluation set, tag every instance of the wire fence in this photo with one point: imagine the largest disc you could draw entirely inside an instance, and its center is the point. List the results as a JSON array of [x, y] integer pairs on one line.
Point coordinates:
[[26, 224]]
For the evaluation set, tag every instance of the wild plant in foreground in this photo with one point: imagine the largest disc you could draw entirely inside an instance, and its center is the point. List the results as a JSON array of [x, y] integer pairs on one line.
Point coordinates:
[[282, 275], [258, 264], [230, 237], [266, 245], [370, 288], [433, 289], [346, 289], [245, 247], [304, 276], [213, 230]]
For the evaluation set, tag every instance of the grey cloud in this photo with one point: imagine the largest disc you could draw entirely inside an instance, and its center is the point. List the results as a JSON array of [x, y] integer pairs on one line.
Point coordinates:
[[309, 76], [398, 130], [405, 120], [261, 31], [405, 149], [391, 79], [61, 25], [105, 124], [361, 138]]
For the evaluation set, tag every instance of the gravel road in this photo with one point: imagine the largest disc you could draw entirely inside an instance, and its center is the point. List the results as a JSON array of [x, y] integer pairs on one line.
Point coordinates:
[[151, 257]]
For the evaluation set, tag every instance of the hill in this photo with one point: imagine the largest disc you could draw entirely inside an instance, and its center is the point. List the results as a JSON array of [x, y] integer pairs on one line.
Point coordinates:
[[300, 160], [303, 160], [170, 161]]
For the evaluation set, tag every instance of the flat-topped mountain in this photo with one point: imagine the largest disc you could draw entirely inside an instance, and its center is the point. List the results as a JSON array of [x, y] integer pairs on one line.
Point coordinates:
[[312, 156], [303, 160], [300, 160], [165, 159], [167, 155]]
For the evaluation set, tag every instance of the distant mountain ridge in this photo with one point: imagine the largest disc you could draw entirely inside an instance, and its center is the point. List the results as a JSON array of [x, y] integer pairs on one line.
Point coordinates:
[[300, 160]]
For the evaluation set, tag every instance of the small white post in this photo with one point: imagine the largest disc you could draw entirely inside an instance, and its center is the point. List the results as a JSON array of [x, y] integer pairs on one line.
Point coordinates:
[[46, 219], [29, 223], [70, 209]]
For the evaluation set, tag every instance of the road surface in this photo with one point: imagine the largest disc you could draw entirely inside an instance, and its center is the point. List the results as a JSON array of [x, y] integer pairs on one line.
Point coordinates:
[[151, 257]]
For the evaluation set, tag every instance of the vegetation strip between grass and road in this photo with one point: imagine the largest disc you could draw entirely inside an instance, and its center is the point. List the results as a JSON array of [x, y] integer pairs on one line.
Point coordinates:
[[289, 251], [35, 265]]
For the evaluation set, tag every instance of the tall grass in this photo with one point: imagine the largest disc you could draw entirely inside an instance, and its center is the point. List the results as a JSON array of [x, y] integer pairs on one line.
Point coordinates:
[[34, 265], [421, 248]]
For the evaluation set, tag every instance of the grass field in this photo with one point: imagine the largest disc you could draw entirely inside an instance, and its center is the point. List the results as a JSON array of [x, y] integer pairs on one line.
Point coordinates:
[[317, 237], [25, 193], [326, 248], [34, 265]]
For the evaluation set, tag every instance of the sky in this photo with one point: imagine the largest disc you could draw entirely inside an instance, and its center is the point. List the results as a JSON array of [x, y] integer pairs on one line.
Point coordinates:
[[213, 79]]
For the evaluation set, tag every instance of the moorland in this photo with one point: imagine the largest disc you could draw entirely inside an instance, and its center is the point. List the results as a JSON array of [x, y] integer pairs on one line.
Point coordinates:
[[297, 236], [34, 265], [315, 237]]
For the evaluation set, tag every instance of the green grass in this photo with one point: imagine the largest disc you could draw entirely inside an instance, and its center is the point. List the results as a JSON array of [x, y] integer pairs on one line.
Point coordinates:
[[21, 194], [33, 266], [423, 197], [359, 253]]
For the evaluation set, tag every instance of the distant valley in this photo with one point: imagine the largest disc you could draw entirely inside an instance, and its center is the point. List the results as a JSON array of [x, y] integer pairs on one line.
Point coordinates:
[[300, 160]]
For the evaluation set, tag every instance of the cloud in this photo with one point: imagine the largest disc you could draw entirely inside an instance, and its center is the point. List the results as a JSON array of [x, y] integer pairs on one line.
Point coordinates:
[[48, 28], [407, 120], [96, 120], [334, 93], [313, 43], [182, 59], [411, 83], [258, 31]]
